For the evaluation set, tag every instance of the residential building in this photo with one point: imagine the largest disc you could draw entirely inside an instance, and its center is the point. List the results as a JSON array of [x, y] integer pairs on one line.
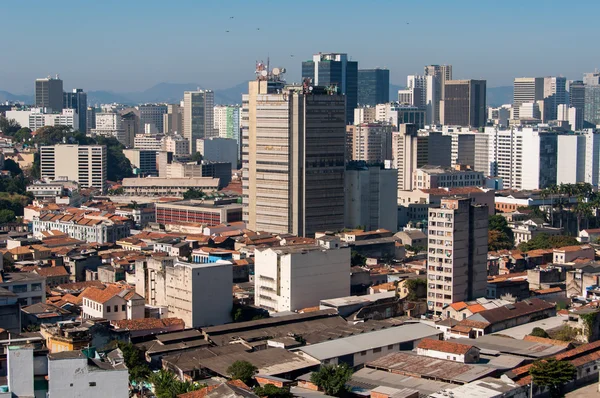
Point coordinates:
[[442, 73], [555, 94], [396, 113], [108, 124], [176, 144], [148, 142], [142, 161], [499, 116], [198, 115], [30, 288], [200, 294], [227, 122], [412, 149], [577, 101], [294, 159], [112, 303], [335, 70], [431, 177], [152, 114], [86, 227], [370, 195], [162, 186], [49, 93], [591, 111], [36, 118], [565, 113], [571, 159], [430, 102], [217, 149], [464, 103], [75, 374], [196, 211], [371, 143], [219, 170], [526, 89], [173, 119], [77, 100], [364, 114], [373, 86], [450, 350], [85, 164], [410, 96], [457, 259], [291, 278], [130, 124]]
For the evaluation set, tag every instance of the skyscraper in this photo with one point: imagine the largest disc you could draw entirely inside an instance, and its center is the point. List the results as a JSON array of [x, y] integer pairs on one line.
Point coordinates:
[[526, 89], [49, 93], [173, 119], [591, 111], [328, 69], [430, 102], [555, 94], [457, 259], [152, 114], [577, 101], [85, 164], [373, 86], [442, 73], [77, 100], [227, 121], [293, 158], [591, 79], [464, 103], [198, 116]]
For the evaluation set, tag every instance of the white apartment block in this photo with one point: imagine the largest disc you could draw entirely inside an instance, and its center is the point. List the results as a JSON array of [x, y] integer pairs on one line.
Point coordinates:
[[364, 114], [36, 118], [89, 229], [429, 95], [85, 164], [291, 278], [526, 89], [499, 116], [571, 156], [148, 142], [176, 144], [457, 253], [227, 121], [200, 294], [432, 177]]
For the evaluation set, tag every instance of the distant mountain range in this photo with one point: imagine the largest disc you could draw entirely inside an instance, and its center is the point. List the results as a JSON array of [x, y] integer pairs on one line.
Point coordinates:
[[173, 92]]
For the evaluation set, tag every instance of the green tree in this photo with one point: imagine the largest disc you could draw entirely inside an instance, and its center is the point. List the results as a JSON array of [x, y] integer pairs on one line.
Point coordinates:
[[545, 241], [415, 286], [566, 333], [500, 236], [164, 383], [539, 332], [8, 126], [34, 171], [197, 157], [117, 165], [272, 391], [194, 193], [242, 370], [23, 134], [332, 379], [135, 362], [12, 166], [7, 216], [357, 259], [552, 374]]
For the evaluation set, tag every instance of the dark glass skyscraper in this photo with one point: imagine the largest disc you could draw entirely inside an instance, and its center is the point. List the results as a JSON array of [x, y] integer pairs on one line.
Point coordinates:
[[328, 69], [77, 100], [464, 103], [373, 86]]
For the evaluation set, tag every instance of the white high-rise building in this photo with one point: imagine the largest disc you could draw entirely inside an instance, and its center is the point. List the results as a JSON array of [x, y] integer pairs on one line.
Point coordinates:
[[36, 118], [555, 94], [85, 164], [176, 144], [429, 99], [499, 116], [571, 159], [198, 116], [109, 124], [526, 89], [291, 278], [227, 121], [566, 113]]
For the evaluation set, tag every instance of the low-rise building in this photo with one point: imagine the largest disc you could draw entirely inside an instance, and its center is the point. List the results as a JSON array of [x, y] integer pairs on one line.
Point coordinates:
[[29, 288], [111, 303], [431, 177], [452, 351], [567, 254], [198, 211], [524, 231], [162, 186], [89, 227]]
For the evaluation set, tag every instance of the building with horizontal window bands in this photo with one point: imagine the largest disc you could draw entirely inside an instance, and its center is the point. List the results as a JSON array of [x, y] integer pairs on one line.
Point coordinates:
[[373, 86], [77, 100], [197, 211], [85, 164], [457, 253], [30, 288], [464, 103]]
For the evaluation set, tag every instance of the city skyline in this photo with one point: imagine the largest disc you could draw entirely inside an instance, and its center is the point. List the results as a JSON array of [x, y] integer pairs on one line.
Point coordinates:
[[122, 54]]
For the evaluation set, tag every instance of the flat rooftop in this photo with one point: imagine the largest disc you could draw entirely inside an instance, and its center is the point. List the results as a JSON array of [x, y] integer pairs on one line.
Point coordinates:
[[518, 332], [198, 204], [495, 345], [350, 300], [367, 379]]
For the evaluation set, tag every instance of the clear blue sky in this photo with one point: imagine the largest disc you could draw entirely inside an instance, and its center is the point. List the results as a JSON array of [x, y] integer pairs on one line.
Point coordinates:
[[130, 45]]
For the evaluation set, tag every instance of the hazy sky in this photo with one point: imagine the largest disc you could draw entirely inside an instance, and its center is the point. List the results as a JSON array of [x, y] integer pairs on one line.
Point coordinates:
[[130, 45]]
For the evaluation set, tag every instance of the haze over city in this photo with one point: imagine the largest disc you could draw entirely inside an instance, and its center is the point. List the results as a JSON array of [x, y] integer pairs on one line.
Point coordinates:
[[130, 46]]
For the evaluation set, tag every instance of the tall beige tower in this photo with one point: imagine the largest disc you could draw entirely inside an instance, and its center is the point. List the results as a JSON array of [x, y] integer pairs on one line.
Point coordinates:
[[442, 73], [457, 253], [293, 157]]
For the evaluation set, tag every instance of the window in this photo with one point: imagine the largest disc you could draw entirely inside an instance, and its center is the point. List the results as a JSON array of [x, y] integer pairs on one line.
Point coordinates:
[[92, 384], [376, 350], [363, 353], [108, 308], [19, 288], [36, 287], [123, 307], [116, 308], [391, 347]]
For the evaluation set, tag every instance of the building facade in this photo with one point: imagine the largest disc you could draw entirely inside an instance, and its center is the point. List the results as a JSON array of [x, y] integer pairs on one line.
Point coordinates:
[[49, 93], [464, 103], [85, 164], [153, 114], [526, 89], [198, 115], [77, 100], [371, 143], [457, 253], [217, 149], [373, 86]]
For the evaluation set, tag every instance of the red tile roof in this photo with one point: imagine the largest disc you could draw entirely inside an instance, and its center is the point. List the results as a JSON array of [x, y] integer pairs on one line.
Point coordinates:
[[444, 346], [51, 271], [102, 295], [544, 340], [148, 323]]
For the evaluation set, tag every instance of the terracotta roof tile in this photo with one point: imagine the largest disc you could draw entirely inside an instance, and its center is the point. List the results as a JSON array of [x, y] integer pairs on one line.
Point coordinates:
[[544, 340], [51, 271], [473, 324], [444, 346], [458, 305]]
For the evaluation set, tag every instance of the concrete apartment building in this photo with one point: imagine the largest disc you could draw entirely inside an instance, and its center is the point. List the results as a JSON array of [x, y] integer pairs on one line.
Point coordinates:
[[291, 278], [294, 158], [370, 194], [227, 121], [85, 164], [36, 118], [29, 288], [173, 120], [464, 103], [412, 149], [431, 177], [371, 143], [526, 89], [365, 114], [49, 93], [200, 294], [148, 142], [457, 253], [176, 144], [218, 149], [153, 115], [198, 115], [430, 101]]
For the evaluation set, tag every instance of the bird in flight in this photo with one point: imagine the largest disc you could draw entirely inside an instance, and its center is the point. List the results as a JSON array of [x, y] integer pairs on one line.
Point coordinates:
[[257, 28], [226, 31], [291, 55], [230, 17]]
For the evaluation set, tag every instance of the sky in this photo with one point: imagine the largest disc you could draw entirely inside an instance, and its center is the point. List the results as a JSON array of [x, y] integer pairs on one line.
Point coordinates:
[[131, 45]]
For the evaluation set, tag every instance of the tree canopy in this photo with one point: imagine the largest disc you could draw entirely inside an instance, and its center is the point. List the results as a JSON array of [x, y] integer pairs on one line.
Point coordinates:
[[242, 370], [196, 157], [500, 236], [545, 241], [357, 259], [135, 362], [332, 379], [9, 126], [194, 193], [539, 332], [552, 374], [7, 216], [272, 391]]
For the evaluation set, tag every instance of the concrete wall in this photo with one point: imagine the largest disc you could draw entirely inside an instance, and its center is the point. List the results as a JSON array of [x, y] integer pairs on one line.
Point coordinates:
[[72, 378], [20, 371]]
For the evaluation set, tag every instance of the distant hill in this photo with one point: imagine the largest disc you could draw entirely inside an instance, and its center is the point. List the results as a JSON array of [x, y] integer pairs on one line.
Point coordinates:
[[394, 91], [6, 96], [497, 96]]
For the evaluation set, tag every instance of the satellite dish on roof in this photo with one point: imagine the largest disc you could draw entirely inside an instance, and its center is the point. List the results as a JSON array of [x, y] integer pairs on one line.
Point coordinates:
[[276, 71], [263, 73], [282, 70]]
